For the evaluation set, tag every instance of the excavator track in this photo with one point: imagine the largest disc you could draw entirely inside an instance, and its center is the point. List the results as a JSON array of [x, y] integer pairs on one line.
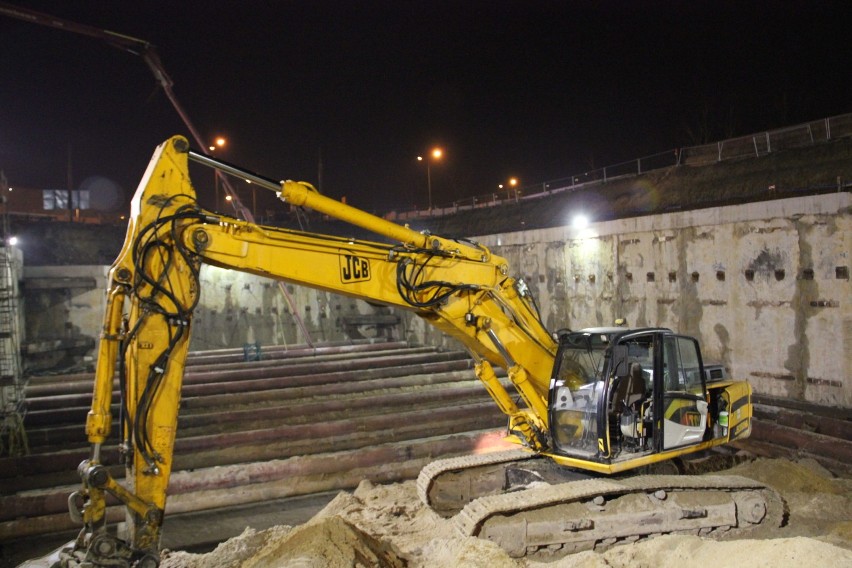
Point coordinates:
[[450, 495], [598, 513]]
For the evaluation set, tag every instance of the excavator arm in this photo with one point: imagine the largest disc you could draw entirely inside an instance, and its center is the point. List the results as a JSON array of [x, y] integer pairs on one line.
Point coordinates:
[[459, 287]]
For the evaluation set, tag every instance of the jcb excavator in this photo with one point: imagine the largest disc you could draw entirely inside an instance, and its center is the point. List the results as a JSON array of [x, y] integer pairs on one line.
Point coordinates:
[[595, 403]]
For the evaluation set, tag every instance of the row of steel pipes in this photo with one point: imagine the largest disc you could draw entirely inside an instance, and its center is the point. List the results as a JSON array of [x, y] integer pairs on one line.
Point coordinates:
[[299, 420]]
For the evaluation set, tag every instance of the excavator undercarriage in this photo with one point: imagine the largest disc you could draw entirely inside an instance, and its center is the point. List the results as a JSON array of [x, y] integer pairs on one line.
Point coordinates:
[[530, 506]]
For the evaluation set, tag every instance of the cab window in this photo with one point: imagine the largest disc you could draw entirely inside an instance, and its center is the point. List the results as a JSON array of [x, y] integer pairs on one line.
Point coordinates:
[[684, 401]]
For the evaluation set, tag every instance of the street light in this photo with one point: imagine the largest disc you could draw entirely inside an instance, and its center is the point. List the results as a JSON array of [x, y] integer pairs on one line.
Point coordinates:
[[435, 154], [512, 184], [218, 143]]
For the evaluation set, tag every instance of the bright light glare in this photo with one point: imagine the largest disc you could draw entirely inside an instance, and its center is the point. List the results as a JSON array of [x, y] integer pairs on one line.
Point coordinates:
[[590, 245], [13, 241], [584, 232], [513, 181], [218, 143], [435, 154]]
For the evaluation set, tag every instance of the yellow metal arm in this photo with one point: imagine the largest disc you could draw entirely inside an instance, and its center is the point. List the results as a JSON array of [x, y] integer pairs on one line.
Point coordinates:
[[305, 195], [99, 420], [459, 287]]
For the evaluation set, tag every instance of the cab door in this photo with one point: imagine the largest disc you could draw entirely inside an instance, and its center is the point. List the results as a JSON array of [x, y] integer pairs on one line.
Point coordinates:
[[684, 392]]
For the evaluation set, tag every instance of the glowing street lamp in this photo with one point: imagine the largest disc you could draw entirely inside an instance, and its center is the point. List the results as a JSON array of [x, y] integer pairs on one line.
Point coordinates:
[[218, 143], [513, 182], [435, 154], [510, 185]]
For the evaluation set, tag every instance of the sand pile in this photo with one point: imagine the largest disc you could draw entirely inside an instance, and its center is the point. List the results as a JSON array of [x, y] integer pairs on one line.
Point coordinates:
[[329, 542], [386, 526], [671, 551], [820, 504]]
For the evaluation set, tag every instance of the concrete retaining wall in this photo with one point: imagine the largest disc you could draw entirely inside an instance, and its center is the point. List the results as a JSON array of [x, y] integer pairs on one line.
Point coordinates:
[[764, 286]]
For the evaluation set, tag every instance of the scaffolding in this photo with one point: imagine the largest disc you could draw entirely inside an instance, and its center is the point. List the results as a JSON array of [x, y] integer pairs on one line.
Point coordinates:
[[13, 436]]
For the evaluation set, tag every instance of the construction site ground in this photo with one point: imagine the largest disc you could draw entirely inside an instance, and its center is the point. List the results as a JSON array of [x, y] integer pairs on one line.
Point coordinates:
[[386, 525]]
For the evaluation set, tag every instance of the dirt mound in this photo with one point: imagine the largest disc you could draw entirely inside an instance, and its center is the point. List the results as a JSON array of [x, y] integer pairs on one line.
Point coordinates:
[[231, 553], [819, 504], [672, 551], [329, 542], [787, 476]]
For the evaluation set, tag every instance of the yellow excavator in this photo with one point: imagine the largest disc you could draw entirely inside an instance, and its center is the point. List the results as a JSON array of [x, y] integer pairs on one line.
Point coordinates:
[[589, 407]]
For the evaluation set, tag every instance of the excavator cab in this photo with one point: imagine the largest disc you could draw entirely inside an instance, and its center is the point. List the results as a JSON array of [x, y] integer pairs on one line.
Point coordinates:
[[622, 403], [618, 396]]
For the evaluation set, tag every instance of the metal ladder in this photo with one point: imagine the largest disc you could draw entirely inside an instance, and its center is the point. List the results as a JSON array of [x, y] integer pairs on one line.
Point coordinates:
[[13, 436]]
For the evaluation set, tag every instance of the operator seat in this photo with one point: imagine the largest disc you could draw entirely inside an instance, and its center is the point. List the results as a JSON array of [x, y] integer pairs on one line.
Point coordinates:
[[629, 390]]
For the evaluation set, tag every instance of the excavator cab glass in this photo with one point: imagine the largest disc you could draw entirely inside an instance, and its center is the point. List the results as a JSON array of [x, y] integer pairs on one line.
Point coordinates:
[[685, 406], [575, 391], [629, 404]]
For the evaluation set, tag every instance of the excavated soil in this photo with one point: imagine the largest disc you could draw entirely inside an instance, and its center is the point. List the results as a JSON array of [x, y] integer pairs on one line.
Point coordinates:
[[386, 526]]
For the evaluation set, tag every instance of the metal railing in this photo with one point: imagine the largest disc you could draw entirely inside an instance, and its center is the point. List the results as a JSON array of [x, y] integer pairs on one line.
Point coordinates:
[[743, 147]]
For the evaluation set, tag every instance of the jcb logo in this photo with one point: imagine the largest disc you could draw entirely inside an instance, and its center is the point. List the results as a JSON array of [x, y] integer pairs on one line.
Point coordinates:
[[353, 268]]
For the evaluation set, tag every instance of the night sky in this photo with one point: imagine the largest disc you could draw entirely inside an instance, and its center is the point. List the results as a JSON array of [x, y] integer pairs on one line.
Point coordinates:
[[537, 90]]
